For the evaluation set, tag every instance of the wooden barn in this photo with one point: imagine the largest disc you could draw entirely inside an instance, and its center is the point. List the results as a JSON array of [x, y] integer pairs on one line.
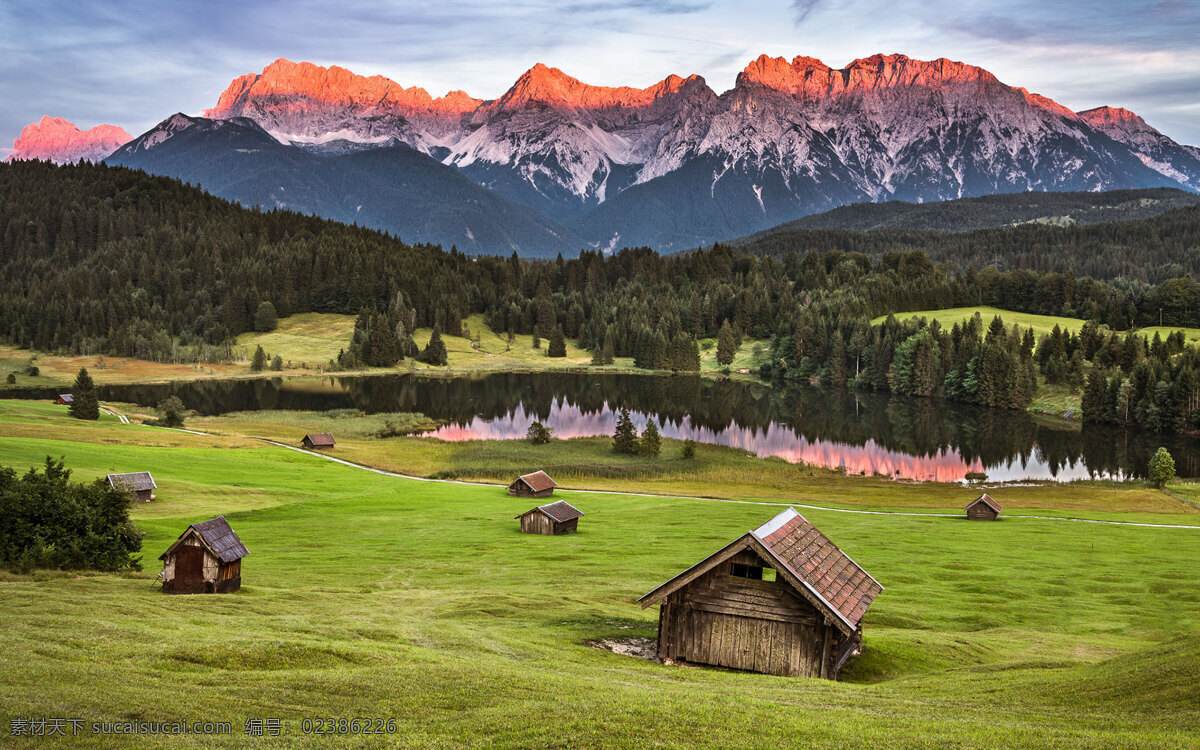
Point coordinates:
[[983, 508], [782, 599], [537, 484], [65, 399], [315, 440], [205, 559], [556, 518], [140, 483]]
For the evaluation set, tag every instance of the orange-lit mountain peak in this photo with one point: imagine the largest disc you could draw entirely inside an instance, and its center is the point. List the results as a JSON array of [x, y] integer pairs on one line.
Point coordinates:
[[811, 77], [332, 86], [58, 140], [542, 84], [1108, 117]]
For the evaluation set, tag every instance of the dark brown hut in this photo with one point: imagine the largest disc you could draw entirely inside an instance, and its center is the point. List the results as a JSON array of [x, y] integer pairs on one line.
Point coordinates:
[[983, 508], [556, 518], [317, 440], [537, 484], [65, 399], [140, 483], [782, 599], [205, 559]]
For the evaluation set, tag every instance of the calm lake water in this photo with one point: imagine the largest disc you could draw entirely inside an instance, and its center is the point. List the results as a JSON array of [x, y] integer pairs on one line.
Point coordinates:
[[867, 433]]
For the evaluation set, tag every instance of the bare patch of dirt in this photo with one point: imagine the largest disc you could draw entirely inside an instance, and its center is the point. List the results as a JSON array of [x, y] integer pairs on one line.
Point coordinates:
[[641, 648]]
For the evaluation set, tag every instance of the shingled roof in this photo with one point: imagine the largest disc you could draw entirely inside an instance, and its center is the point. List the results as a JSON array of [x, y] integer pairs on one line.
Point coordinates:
[[217, 535], [987, 499], [807, 560], [560, 511], [538, 481], [138, 481]]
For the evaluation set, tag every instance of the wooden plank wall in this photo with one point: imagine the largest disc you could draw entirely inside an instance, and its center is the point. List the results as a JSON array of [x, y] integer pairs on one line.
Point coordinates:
[[728, 621]]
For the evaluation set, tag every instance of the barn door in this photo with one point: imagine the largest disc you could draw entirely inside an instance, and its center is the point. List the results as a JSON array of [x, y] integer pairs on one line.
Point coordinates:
[[189, 566]]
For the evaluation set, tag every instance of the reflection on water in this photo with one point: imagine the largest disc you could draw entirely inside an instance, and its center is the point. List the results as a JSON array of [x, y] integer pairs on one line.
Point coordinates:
[[867, 433], [569, 421]]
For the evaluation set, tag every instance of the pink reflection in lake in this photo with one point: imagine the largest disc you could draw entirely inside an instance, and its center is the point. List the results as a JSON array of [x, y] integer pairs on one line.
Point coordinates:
[[777, 440]]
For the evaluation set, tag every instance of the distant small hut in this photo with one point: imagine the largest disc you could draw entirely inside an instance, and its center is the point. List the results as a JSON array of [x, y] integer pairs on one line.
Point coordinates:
[[318, 440], [66, 399], [983, 508], [140, 483], [782, 599], [205, 559], [537, 484], [556, 518]]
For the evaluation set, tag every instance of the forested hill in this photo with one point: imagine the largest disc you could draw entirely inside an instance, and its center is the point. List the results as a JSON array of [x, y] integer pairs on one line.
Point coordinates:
[[1004, 209], [1147, 250]]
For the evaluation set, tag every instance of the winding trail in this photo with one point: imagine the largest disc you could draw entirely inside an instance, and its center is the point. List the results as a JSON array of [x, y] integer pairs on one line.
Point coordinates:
[[382, 472]]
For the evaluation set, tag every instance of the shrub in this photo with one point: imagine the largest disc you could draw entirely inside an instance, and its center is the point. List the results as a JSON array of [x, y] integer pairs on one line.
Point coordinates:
[[539, 434], [265, 318], [170, 412], [688, 451], [12, 378], [1162, 467], [48, 521]]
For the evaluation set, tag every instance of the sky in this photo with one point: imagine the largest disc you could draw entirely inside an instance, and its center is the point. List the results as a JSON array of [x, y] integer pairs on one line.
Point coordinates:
[[134, 62]]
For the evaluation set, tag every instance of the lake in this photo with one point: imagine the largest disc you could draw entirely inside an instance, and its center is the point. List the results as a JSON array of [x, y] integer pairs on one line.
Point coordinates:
[[864, 432]]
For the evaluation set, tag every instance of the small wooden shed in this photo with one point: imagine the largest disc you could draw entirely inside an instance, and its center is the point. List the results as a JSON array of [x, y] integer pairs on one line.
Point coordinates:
[[318, 440], [205, 559], [983, 508], [65, 399], [140, 483], [781, 599], [537, 484], [556, 518]]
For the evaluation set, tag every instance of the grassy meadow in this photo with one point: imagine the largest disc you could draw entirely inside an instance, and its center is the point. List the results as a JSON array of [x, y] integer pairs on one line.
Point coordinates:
[[1041, 324], [308, 342], [373, 596]]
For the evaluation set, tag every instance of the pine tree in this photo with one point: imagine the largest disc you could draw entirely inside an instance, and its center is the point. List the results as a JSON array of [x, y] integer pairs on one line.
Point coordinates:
[[259, 361], [558, 343], [85, 404], [625, 436], [726, 345], [435, 350], [651, 441], [277, 363]]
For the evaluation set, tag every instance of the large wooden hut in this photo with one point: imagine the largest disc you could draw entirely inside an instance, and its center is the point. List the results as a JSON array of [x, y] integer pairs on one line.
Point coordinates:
[[782, 599], [316, 440], [65, 399], [140, 483], [983, 508], [205, 559], [556, 518], [537, 484]]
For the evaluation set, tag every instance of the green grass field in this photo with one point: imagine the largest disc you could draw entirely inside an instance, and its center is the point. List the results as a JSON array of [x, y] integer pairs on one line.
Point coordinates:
[[371, 596], [1041, 324]]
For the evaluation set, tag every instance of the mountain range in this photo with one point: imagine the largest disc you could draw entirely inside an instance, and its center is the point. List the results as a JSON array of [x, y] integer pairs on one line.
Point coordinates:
[[555, 164]]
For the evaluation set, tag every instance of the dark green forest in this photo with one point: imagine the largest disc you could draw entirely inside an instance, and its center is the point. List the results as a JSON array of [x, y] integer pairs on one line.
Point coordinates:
[[99, 259]]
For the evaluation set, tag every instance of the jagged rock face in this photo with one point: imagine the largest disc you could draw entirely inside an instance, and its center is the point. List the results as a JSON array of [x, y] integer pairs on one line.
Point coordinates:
[[54, 139], [302, 102], [790, 138], [1155, 150]]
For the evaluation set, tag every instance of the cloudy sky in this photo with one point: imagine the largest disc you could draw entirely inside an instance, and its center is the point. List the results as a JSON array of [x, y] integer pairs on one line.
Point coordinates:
[[133, 62]]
